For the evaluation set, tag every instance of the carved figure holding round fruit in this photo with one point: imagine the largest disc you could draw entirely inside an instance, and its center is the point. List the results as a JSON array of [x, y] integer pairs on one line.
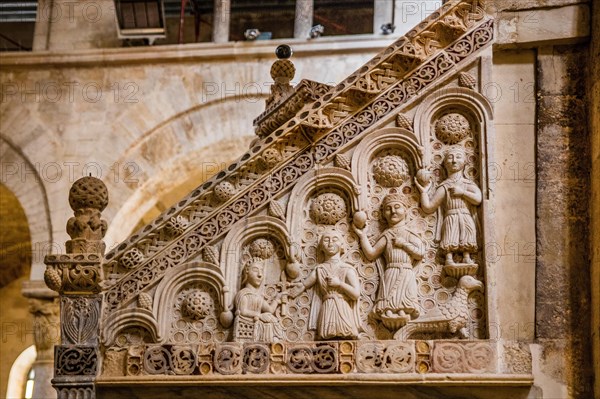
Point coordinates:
[[457, 197], [397, 296]]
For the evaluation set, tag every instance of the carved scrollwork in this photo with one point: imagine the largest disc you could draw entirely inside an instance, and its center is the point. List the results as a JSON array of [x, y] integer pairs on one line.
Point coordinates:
[[449, 357], [75, 360], [256, 359], [325, 359], [183, 360], [300, 359], [398, 358], [157, 360], [77, 273], [228, 359]]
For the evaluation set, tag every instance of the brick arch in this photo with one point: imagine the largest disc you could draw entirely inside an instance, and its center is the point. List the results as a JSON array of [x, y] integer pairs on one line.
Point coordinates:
[[174, 157], [21, 178]]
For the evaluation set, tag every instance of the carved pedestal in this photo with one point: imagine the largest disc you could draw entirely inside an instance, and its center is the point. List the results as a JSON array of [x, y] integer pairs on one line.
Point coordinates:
[[76, 277]]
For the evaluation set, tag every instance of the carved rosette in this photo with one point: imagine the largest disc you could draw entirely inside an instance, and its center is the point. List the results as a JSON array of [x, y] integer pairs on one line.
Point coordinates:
[[270, 158], [262, 248], [132, 258], [452, 128], [223, 191], [390, 171], [197, 305], [177, 225], [328, 208]]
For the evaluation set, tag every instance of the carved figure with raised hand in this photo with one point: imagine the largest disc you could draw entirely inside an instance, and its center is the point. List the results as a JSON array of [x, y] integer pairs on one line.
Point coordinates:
[[254, 317], [397, 296], [457, 196], [335, 311]]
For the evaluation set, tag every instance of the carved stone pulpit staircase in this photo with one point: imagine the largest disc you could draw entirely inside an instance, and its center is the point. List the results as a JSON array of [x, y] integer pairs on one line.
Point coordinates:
[[346, 247]]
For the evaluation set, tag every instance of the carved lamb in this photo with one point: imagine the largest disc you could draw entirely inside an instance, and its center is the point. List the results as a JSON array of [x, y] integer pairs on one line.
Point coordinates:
[[449, 317]]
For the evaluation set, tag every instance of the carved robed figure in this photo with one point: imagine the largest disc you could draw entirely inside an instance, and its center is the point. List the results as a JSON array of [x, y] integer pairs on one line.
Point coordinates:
[[255, 319], [457, 196], [397, 298], [335, 311]]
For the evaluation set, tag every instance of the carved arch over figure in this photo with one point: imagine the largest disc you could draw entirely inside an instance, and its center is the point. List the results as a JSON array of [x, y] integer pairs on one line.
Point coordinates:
[[175, 279], [315, 180], [125, 318], [472, 105], [398, 138], [254, 227], [478, 110]]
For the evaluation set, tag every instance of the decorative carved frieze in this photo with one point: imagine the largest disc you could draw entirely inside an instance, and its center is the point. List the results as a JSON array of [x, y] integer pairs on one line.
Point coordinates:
[[253, 197], [326, 357], [346, 241], [334, 106]]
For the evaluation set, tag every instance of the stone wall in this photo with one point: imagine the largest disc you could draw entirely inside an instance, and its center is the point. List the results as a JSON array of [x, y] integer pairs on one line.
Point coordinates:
[[562, 217], [593, 85]]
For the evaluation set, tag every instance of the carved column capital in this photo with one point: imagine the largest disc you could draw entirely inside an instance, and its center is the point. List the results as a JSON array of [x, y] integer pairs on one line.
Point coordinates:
[[46, 324], [73, 273]]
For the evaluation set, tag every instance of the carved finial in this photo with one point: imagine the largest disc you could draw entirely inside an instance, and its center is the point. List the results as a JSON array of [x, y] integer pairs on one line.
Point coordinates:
[[276, 210], [466, 80], [403, 122], [282, 72], [342, 161], [88, 197], [211, 255]]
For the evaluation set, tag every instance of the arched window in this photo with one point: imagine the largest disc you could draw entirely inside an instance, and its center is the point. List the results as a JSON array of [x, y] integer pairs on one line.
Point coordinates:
[[21, 375]]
